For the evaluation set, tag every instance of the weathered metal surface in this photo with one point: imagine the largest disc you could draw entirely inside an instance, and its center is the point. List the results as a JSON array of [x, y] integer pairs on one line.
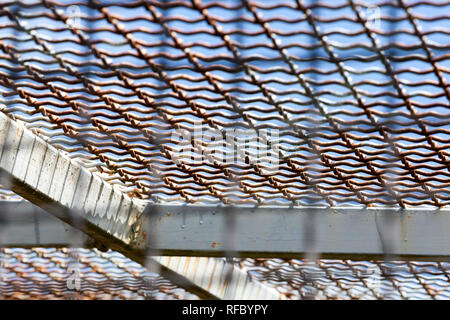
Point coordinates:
[[220, 278], [46, 270], [26, 225], [44, 274], [281, 232], [69, 191]]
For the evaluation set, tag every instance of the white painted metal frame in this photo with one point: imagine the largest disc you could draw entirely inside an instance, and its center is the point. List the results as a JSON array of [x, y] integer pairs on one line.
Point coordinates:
[[353, 233], [48, 178], [25, 225]]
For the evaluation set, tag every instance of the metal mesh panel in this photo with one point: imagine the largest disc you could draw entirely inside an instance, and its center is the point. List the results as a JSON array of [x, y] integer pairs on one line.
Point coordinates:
[[366, 125], [349, 100], [42, 273], [345, 279]]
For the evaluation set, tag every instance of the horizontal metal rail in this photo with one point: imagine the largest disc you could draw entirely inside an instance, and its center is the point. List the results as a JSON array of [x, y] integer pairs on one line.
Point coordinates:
[[199, 231], [25, 225], [286, 232]]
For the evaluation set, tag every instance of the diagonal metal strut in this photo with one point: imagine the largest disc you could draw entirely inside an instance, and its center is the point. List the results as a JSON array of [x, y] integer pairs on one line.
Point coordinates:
[[45, 176]]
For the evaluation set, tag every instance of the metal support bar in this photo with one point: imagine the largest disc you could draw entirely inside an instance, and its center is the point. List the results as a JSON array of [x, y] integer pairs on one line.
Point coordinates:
[[26, 226], [197, 231], [279, 232], [220, 278], [48, 178]]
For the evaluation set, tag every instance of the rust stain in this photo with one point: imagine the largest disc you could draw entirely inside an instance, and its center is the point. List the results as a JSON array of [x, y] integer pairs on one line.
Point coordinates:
[[161, 217], [134, 194], [214, 244]]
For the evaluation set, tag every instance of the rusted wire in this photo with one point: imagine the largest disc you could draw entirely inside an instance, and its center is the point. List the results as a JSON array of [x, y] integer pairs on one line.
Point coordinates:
[[357, 124], [42, 273], [337, 145], [338, 279]]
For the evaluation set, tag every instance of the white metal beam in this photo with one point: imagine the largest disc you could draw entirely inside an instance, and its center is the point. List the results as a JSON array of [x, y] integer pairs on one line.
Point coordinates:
[[354, 233], [343, 232], [23, 224], [220, 278], [48, 178]]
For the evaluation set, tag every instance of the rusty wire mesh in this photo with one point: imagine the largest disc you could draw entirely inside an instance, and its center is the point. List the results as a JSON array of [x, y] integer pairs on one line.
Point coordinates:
[[42, 273], [372, 128], [360, 103], [345, 279]]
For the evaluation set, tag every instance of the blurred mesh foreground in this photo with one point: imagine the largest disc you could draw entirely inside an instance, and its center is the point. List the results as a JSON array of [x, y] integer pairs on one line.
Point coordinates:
[[356, 91]]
